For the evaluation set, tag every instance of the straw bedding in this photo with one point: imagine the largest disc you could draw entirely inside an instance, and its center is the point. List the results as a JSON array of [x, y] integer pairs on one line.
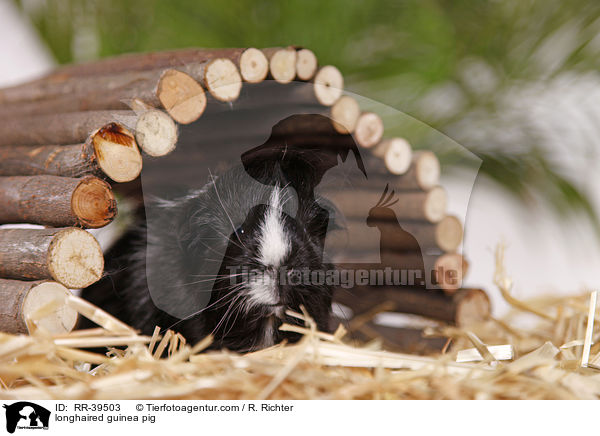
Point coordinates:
[[558, 359]]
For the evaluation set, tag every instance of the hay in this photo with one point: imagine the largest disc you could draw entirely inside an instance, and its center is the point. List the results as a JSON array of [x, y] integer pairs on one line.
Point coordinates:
[[559, 359]]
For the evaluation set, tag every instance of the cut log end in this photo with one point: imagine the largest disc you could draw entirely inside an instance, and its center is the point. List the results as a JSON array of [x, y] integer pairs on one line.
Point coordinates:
[[45, 306], [282, 64], [449, 233], [473, 306], [93, 203], [156, 133], [344, 114], [254, 65], [451, 269], [328, 85], [117, 153], [369, 130], [427, 167], [396, 154], [75, 258], [435, 205], [223, 80], [181, 96], [306, 64]]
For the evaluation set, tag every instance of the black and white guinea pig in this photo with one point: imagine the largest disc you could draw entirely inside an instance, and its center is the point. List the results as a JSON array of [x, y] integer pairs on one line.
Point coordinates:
[[212, 262]]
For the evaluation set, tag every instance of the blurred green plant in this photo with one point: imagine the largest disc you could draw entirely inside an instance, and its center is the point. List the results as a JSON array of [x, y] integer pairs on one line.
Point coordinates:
[[445, 62]]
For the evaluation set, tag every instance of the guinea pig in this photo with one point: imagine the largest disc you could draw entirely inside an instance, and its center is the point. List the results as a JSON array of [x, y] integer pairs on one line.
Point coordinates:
[[218, 261]]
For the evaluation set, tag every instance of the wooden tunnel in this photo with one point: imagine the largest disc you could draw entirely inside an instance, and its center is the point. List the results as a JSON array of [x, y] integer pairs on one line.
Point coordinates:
[[73, 138]]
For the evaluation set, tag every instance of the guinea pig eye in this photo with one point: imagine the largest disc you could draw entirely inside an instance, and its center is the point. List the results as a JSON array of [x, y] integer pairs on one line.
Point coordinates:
[[239, 231]]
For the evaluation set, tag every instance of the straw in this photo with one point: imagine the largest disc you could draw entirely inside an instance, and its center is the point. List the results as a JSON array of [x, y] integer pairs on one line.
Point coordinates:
[[494, 359]]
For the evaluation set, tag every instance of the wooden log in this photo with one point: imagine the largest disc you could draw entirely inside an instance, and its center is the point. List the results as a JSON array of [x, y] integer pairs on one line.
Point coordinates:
[[114, 91], [344, 114], [404, 340], [161, 59], [369, 130], [220, 77], [444, 236], [408, 336], [306, 64], [250, 126], [118, 85], [462, 308], [109, 151], [328, 85], [445, 271], [253, 65], [111, 83], [282, 63], [427, 206], [427, 271], [57, 160], [34, 304], [116, 152], [69, 256], [396, 154], [423, 173], [68, 128], [155, 131], [181, 96], [56, 201], [447, 235]]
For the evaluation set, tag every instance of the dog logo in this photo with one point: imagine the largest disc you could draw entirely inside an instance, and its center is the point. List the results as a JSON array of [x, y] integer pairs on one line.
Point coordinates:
[[26, 415]]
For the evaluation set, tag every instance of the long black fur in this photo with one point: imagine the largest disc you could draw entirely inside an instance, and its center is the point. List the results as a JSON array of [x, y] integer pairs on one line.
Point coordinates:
[[183, 240]]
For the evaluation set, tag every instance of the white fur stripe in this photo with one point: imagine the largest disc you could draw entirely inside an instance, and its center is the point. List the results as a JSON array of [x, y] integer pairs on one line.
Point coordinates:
[[274, 241]]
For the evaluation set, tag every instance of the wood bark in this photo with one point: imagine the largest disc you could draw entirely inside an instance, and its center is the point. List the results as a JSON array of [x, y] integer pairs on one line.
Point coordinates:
[[68, 128], [115, 151], [22, 299], [462, 308], [84, 94], [174, 90], [56, 201], [147, 61], [427, 206], [57, 160], [407, 236], [424, 270], [69, 256]]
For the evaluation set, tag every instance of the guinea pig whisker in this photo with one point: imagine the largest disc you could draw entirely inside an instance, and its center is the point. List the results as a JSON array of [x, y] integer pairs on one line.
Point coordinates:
[[215, 277], [219, 252], [237, 312], [224, 209], [233, 290], [237, 297]]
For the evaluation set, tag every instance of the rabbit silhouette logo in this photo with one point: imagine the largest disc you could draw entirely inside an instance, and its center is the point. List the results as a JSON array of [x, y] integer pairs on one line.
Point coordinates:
[[26, 415]]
